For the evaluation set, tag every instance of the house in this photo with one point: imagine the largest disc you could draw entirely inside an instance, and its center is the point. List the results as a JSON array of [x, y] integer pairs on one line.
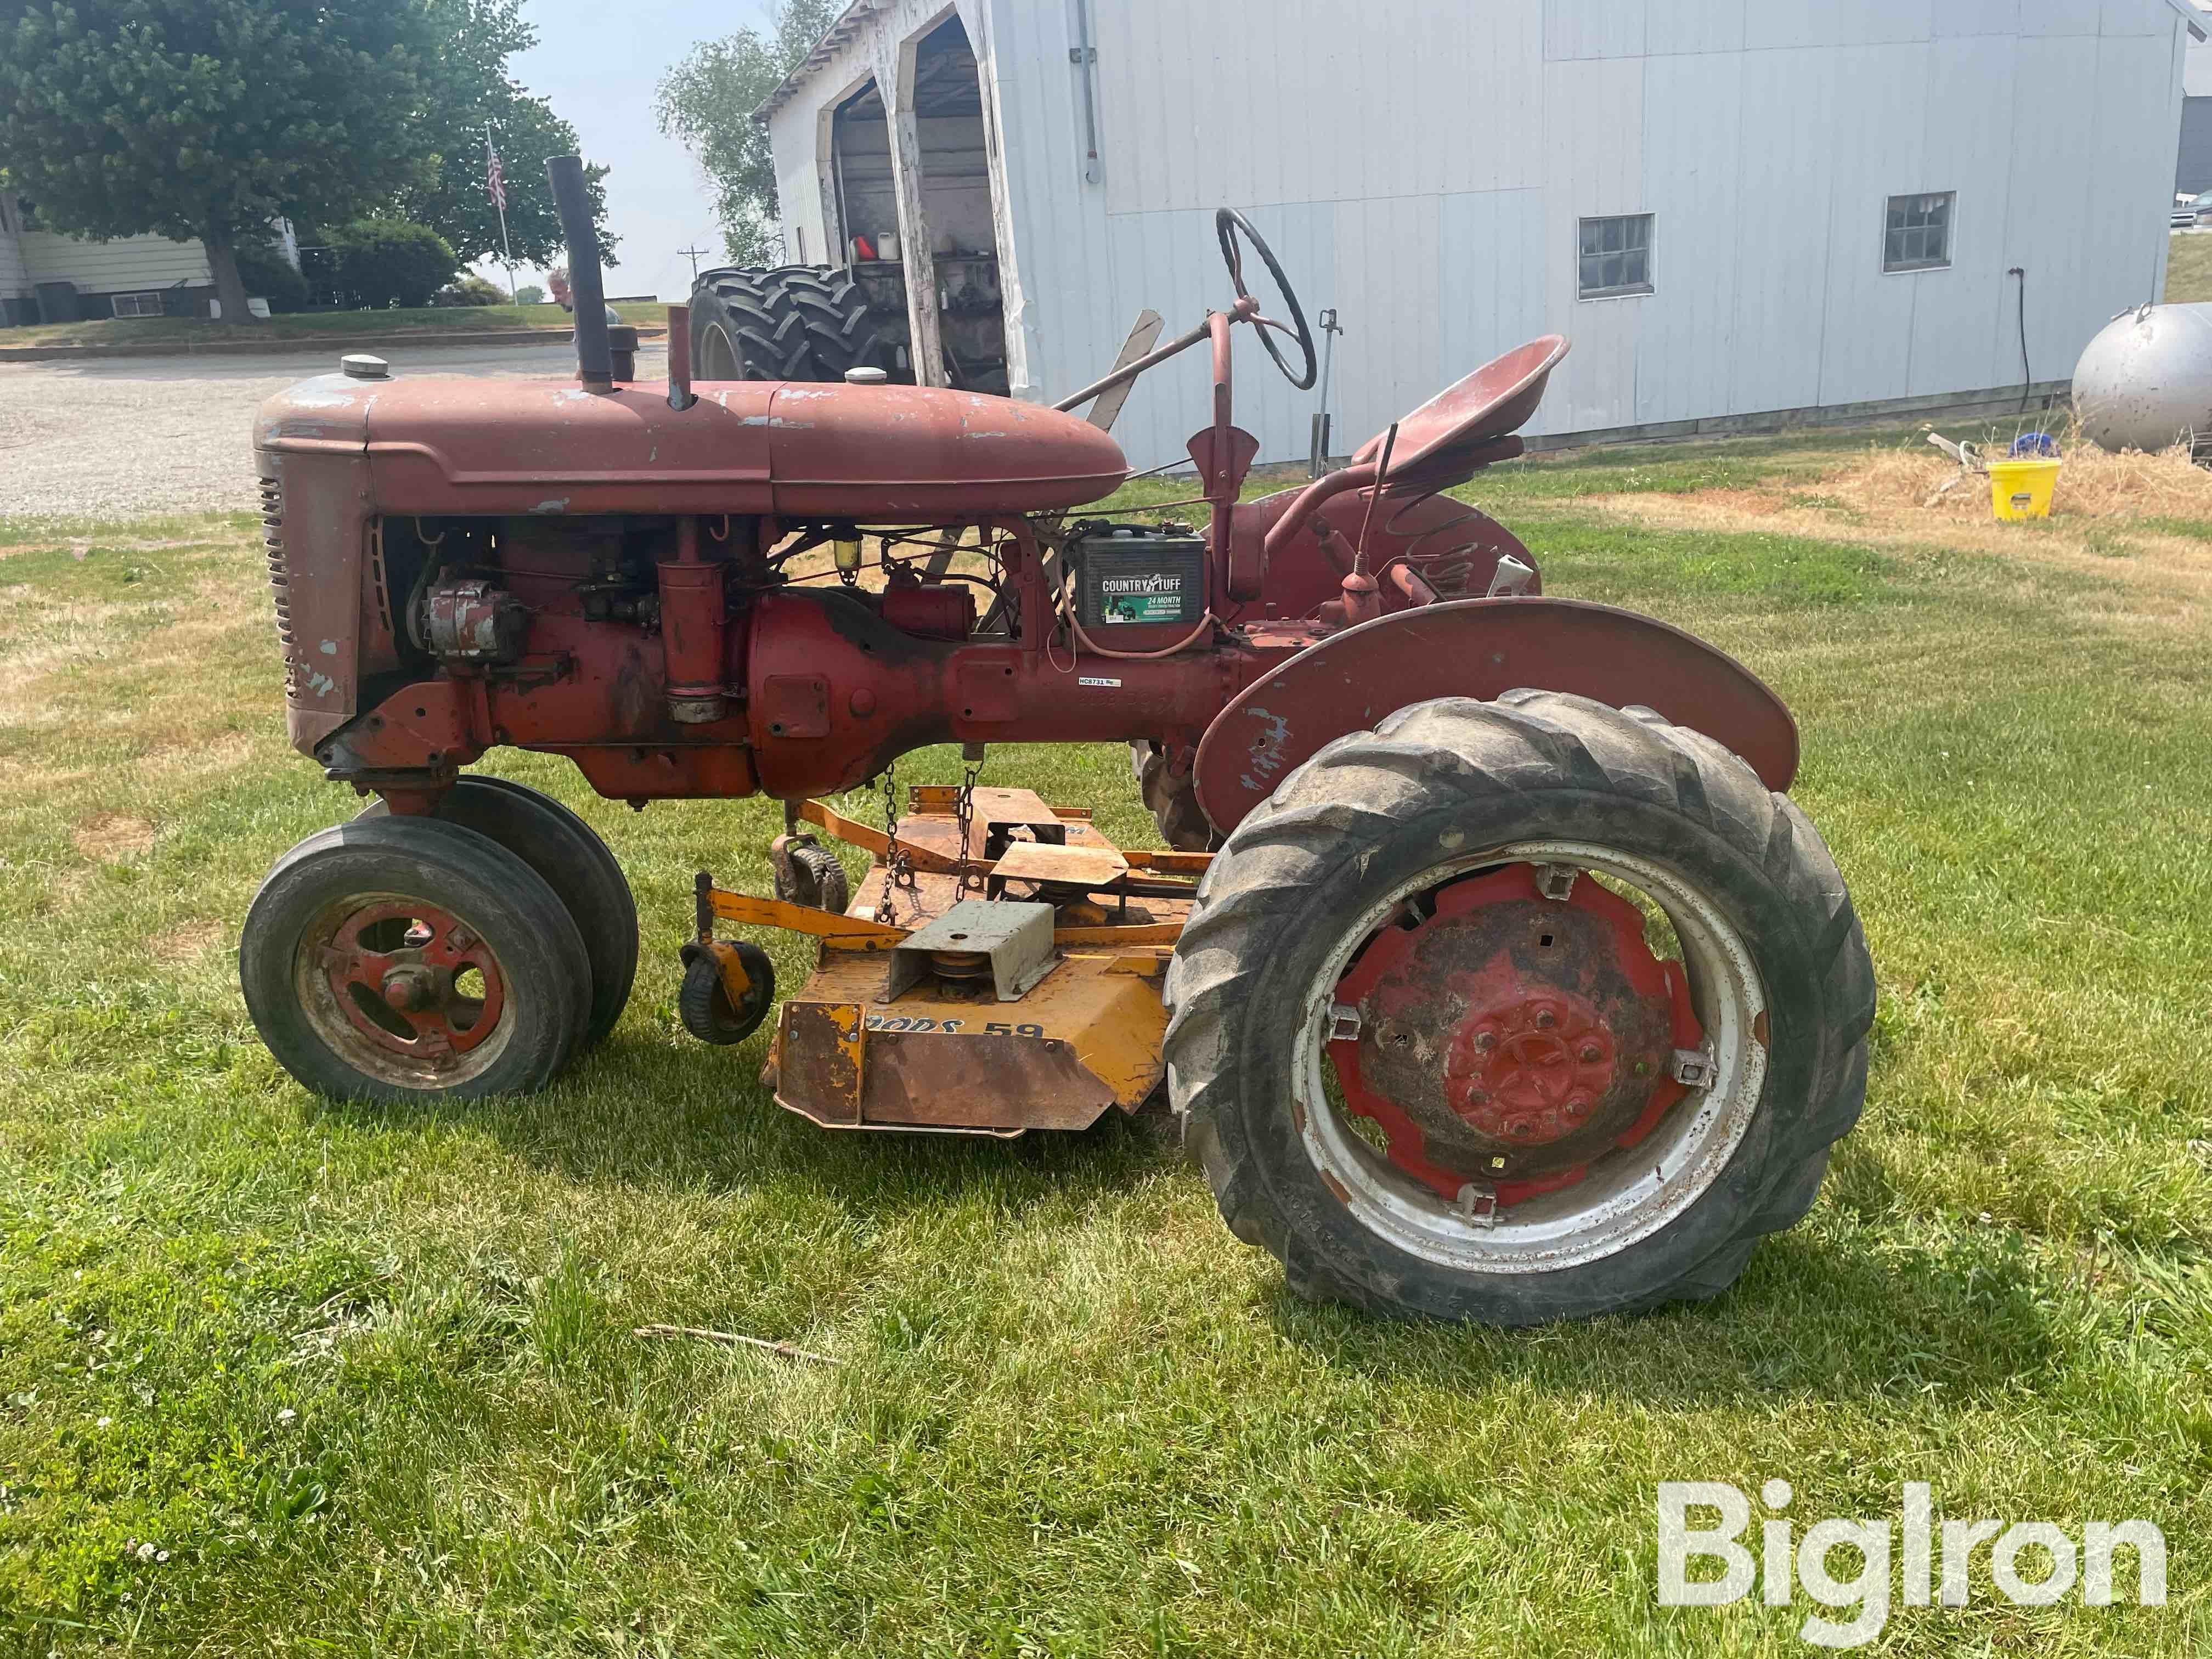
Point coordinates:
[[1740, 211], [47, 278]]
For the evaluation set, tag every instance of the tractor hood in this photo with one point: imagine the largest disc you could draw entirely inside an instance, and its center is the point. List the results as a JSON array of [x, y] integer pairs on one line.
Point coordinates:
[[511, 445]]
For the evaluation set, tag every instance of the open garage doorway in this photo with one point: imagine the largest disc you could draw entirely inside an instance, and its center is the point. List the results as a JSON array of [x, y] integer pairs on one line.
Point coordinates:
[[954, 275]]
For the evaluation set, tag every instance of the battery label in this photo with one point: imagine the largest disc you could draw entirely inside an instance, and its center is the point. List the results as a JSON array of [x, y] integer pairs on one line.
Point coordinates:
[[1153, 598]]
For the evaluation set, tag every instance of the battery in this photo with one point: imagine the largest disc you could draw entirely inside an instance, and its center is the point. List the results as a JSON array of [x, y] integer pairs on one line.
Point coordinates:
[[1136, 578]]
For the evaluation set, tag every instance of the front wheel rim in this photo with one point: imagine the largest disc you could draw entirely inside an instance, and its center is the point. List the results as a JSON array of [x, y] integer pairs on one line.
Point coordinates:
[[403, 992], [1622, 1199]]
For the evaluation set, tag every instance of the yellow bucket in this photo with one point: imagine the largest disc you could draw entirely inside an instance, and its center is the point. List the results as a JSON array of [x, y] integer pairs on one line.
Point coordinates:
[[2021, 489]]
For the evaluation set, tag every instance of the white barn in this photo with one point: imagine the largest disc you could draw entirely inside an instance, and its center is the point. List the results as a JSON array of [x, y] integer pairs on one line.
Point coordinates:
[[1792, 206]]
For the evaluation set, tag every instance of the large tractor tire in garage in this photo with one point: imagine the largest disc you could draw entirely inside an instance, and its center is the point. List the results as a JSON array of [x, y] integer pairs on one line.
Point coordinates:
[[793, 323]]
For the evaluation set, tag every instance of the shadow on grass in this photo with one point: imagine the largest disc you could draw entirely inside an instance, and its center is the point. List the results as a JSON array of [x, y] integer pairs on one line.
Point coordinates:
[[683, 1117], [1824, 1311], [1834, 1309]]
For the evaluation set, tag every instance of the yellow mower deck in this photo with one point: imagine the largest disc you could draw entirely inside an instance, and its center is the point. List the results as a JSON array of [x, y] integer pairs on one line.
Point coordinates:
[[1069, 1023]]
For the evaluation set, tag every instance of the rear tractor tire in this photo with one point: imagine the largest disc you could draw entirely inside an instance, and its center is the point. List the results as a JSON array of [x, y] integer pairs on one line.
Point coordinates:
[[792, 322], [1518, 1011], [403, 959]]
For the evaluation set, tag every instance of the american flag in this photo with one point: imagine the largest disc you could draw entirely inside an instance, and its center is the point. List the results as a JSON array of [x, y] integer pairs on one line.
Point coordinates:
[[495, 176]]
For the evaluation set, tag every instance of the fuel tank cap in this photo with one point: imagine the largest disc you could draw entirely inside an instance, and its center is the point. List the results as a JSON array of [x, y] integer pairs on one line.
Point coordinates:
[[865, 376], [364, 366]]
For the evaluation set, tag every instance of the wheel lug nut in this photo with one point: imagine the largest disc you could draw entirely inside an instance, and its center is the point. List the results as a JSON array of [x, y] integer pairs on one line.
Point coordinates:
[[1484, 1041], [1545, 1016], [1592, 1054]]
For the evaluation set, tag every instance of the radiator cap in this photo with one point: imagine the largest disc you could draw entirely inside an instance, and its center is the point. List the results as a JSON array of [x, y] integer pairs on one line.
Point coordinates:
[[865, 376], [364, 366]]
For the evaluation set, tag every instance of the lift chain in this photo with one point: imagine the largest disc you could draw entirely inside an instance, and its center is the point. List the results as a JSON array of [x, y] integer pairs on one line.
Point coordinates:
[[898, 868], [964, 814]]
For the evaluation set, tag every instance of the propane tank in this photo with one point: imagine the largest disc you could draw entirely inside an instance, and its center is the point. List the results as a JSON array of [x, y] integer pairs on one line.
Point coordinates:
[[2145, 382]]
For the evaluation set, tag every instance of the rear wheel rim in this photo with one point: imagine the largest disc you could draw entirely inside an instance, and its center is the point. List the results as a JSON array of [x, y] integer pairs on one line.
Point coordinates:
[[1624, 1196], [403, 991]]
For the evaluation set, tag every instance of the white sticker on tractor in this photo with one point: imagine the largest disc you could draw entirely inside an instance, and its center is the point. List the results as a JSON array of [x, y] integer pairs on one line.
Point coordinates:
[[1087, 680]]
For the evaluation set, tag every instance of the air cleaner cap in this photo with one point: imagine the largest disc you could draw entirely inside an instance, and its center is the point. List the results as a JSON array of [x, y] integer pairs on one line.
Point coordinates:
[[364, 366], [865, 376]]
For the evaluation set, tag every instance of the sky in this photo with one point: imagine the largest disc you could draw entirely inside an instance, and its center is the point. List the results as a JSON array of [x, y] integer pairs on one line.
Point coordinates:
[[600, 63]]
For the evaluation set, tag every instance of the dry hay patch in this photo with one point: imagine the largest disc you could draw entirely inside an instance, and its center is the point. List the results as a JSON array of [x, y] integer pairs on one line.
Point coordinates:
[[2111, 514], [110, 837], [223, 753], [182, 944]]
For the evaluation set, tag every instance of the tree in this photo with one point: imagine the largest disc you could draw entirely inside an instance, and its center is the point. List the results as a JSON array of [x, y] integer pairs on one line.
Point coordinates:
[[708, 102], [390, 262], [208, 118], [469, 289], [268, 274], [466, 91], [530, 295]]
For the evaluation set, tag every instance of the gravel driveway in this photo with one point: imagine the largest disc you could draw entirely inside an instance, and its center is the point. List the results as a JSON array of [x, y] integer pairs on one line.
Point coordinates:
[[123, 437]]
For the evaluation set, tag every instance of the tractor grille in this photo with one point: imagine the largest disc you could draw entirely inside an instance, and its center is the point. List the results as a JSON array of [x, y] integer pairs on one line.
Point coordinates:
[[280, 586]]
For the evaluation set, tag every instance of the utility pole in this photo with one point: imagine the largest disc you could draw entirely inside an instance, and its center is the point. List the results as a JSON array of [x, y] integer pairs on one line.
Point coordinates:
[[694, 255]]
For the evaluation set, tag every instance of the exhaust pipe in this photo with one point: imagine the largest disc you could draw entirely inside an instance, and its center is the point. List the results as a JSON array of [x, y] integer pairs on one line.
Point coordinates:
[[679, 358], [594, 358]]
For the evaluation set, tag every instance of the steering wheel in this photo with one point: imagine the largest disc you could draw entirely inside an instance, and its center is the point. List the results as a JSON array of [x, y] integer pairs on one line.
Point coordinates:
[[1227, 222]]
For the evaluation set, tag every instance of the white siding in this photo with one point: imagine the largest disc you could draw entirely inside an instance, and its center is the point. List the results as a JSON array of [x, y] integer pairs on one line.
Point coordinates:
[[127, 263], [15, 280], [1420, 167]]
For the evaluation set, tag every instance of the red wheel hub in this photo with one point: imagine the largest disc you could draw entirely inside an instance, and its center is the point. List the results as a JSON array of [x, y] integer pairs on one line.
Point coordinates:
[[1529, 1069], [398, 972], [1507, 1038]]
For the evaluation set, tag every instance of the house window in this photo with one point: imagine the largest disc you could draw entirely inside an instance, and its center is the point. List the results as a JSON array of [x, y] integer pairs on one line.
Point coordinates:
[[1917, 232], [138, 304], [1616, 256]]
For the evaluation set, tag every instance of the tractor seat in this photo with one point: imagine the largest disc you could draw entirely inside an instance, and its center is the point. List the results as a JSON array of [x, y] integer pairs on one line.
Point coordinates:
[[1461, 427]]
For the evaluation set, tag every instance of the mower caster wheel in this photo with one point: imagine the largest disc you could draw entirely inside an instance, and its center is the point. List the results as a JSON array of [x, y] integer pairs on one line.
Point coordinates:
[[1516, 1011], [704, 1001], [400, 959], [816, 880], [575, 864]]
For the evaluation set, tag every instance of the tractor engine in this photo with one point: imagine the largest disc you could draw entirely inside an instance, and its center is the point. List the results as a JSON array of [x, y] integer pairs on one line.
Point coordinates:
[[673, 596]]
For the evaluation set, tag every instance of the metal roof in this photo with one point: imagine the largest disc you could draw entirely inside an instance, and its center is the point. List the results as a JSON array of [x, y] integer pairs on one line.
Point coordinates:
[[836, 38]]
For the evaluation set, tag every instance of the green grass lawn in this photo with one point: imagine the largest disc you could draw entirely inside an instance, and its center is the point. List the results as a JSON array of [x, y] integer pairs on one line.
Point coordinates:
[[282, 1377], [309, 325]]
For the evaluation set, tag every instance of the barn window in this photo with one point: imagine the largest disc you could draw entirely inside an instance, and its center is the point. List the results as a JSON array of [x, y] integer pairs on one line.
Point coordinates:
[[138, 304], [1917, 233], [1616, 256]]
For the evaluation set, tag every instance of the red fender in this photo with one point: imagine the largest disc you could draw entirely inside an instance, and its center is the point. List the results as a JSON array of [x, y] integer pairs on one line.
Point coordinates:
[[1484, 649]]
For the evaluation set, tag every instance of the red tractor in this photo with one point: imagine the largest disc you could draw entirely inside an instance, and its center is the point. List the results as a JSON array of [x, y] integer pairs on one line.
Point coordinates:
[[1490, 971]]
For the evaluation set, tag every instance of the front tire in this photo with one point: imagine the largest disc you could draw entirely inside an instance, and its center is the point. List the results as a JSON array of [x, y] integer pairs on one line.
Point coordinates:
[[575, 864], [1439, 828], [405, 959]]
